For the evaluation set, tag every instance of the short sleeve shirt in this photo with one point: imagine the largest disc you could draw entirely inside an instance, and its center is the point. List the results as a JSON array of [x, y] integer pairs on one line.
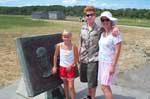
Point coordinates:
[[89, 43], [107, 47]]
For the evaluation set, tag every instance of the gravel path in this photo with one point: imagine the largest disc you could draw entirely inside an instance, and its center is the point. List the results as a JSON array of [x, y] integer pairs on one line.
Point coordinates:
[[136, 79]]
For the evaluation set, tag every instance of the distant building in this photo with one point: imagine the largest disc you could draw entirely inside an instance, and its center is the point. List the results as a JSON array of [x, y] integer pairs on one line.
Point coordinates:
[[54, 15], [40, 15]]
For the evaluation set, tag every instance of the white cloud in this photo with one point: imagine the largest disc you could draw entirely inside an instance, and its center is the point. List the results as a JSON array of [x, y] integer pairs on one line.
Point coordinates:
[[92, 0], [104, 5], [5, 1], [69, 1], [110, 5]]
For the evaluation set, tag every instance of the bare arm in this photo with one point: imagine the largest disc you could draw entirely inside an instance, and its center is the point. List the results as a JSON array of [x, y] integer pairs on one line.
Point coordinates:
[[76, 54], [79, 54], [55, 58], [117, 53], [79, 48], [56, 55], [115, 58]]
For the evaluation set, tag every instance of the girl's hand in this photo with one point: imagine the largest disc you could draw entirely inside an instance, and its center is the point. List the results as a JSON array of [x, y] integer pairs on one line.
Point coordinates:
[[54, 69], [69, 68], [112, 70]]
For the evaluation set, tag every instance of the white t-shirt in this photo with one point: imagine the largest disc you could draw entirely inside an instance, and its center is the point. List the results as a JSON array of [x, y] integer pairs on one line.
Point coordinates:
[[107, 47]]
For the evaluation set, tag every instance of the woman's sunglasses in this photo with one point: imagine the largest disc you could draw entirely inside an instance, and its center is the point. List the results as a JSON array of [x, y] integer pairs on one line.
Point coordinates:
[[105, 20]]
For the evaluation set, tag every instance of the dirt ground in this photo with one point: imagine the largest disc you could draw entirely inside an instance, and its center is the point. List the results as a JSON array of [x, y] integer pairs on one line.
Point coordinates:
[[9, 67], [136, 79], [135, 59]]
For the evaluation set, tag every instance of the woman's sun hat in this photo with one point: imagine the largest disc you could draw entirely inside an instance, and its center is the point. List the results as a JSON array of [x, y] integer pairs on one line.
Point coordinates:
[[109, 16]]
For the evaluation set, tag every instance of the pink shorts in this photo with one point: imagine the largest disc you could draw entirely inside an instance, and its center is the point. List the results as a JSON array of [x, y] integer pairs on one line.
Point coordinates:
[[104, 75], [65, 74]]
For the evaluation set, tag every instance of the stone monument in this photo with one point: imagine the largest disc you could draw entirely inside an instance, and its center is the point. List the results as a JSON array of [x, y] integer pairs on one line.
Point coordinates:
[[35, 54]]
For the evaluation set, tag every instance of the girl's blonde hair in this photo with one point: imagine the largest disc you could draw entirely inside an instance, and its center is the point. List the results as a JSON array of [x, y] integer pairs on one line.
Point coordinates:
[[66, 32]]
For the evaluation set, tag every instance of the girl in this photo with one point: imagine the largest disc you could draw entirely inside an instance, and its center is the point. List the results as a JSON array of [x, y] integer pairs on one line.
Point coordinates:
[[68, 58]]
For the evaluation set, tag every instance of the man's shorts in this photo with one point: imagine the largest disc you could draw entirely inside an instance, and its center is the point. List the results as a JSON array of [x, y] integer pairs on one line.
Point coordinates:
[[65, 74], [88, 73]]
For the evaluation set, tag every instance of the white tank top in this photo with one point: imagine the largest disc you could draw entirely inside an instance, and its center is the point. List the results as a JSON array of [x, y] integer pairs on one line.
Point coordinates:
[[66, 57]]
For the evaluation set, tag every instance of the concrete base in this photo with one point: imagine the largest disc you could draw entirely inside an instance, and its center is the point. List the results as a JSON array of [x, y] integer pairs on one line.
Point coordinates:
[[21, 92]]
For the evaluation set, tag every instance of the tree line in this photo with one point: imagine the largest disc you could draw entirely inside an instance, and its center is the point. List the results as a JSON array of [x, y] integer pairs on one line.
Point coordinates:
[[75, 11]]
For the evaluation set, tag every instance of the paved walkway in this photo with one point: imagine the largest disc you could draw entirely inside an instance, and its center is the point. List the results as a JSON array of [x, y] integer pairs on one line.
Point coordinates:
[[9, 92]]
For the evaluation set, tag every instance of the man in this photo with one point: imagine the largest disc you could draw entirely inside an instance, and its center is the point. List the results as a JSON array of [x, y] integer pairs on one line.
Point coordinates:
[[88, 49]]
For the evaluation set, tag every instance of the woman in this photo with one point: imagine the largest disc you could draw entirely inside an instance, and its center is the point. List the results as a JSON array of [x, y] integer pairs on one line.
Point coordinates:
[[109, 50]]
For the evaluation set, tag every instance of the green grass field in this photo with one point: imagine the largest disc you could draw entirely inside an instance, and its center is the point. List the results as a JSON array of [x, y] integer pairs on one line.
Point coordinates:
[[134, 22], [12, 21], [135, 41], [12, 26]]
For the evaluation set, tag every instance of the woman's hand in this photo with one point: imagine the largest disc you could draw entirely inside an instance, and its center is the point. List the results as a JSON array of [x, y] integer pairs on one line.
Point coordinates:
[[112, 70]]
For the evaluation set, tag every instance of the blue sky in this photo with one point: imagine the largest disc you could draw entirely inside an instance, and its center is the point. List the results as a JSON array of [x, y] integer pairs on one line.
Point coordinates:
[[110, 4]]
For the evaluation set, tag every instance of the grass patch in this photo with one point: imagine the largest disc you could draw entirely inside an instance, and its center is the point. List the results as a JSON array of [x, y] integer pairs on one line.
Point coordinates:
[[10, 21], [134, 22], [12, 26]]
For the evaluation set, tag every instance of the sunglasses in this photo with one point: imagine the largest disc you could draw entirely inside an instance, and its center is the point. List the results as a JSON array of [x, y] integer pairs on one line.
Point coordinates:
[[105, 20], [92, 14]]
